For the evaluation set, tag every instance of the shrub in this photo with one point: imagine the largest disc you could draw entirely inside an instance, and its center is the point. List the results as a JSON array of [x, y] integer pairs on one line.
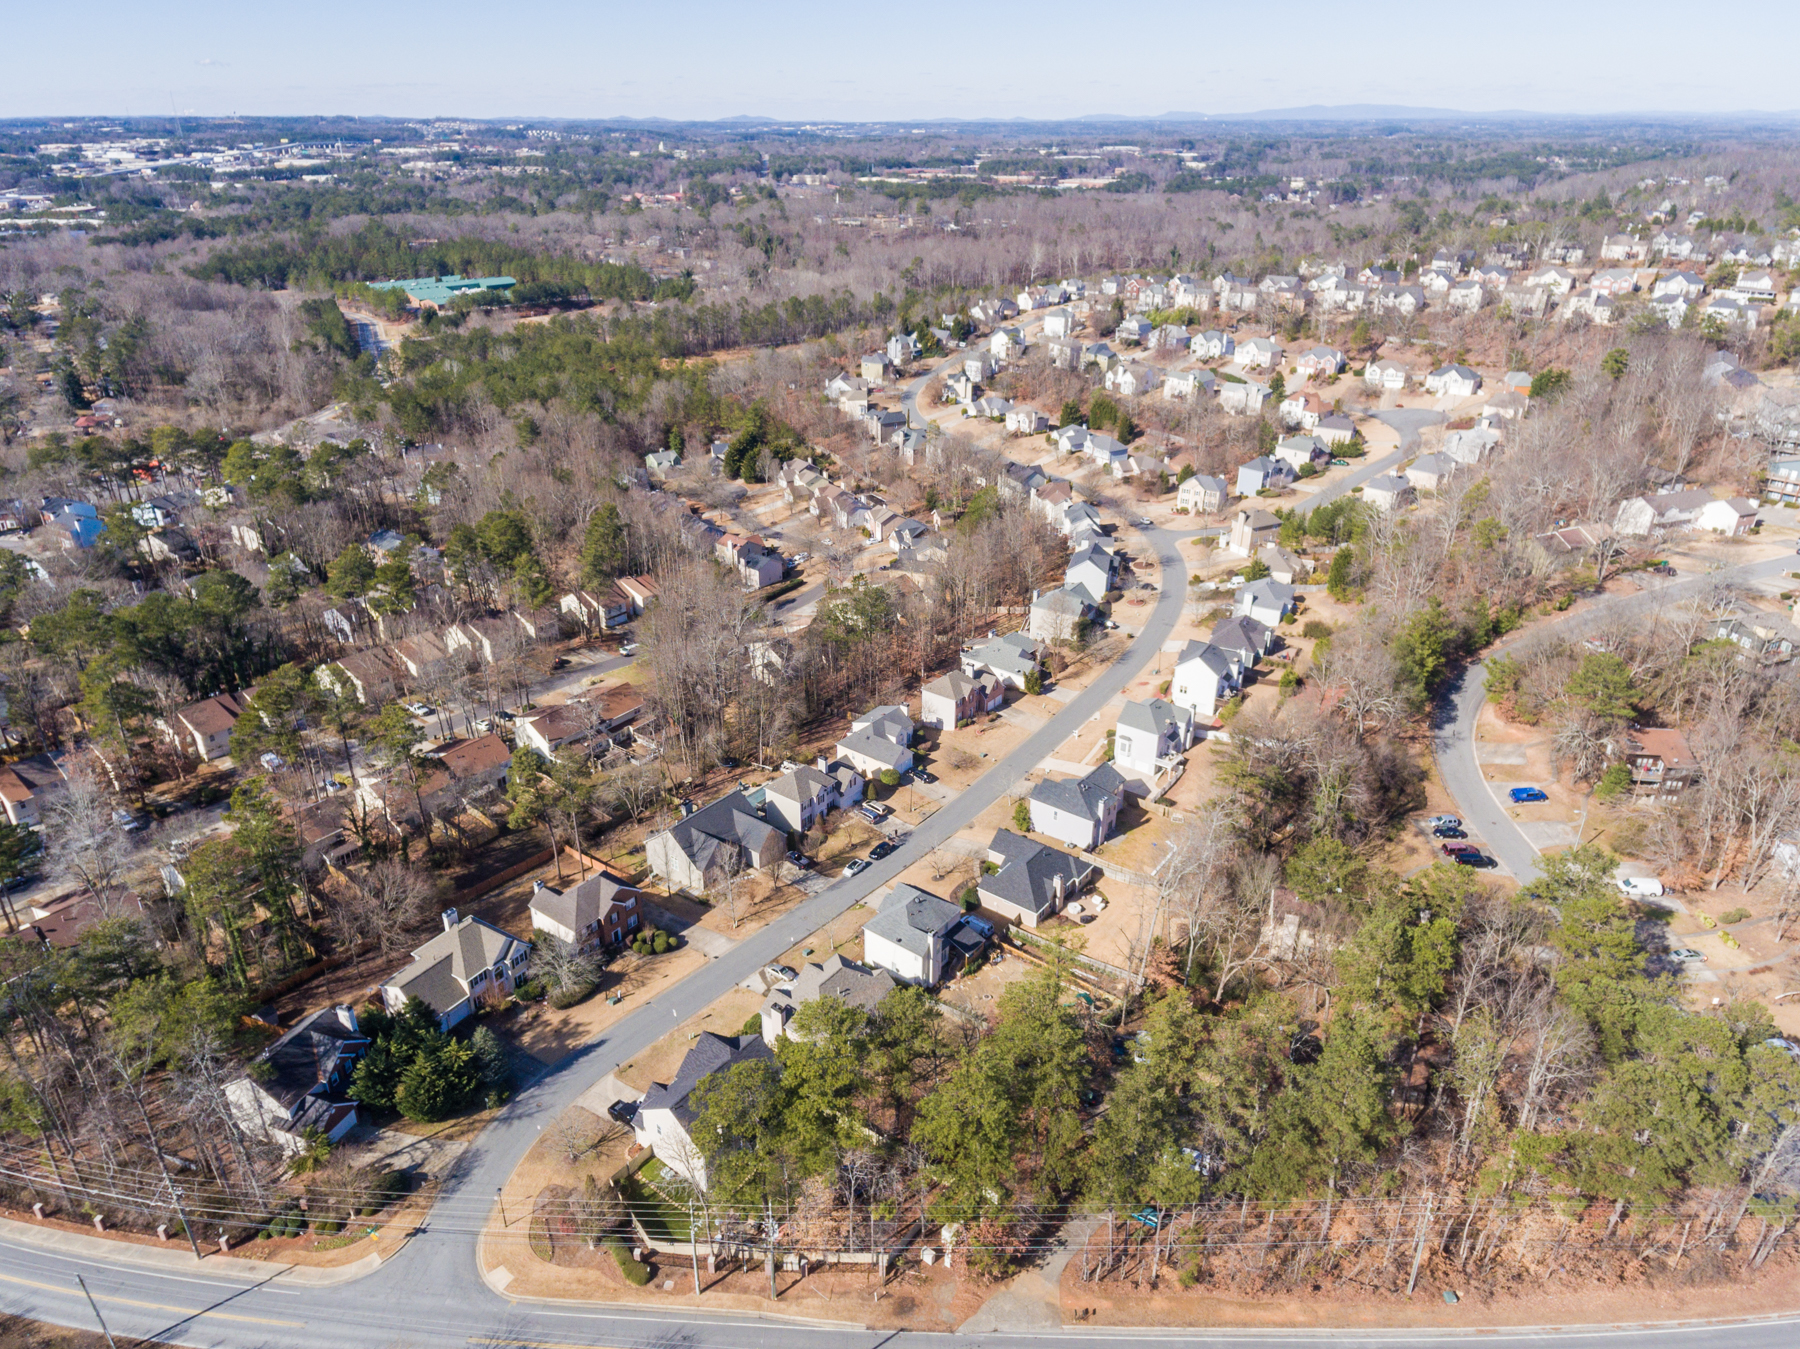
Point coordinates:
[[752, 1024], [1615, 781], [889, 778], [438, 1084], [1734, 916], [328, 1227], [574, 993], [1316, 627], [660, 943], [1022, 816], [529, 991], [1290, 683], [969, 899], [636, 1272]]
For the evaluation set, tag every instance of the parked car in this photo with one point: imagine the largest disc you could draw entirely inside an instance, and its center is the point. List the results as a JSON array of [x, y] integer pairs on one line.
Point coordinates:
[[418, 709], [986, 929], [560, 663], [922, 775], [1474, 859], [1433, 821], [501, 714], [1144, 522], [1457, 849], [1448, 831], [129, 822], [1641, 887], [1523, 795], [629, 649], [1149, 1217], [860, 864], [779, 974], [881, 850], [1688, 953], [623, 1111], [873, 810], [802, 557], [800, 860]]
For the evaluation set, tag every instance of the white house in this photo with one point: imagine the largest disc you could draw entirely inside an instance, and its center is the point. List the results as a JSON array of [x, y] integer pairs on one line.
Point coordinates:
[[1258, 353], [1732, 516], [1388, 375], [1388, 492], [1057, 615], [1205, 678], [1012, 656], [917, 937], [1078, 811], [1263, 473], [1059, 323], [1430, 471], [1661, 510], [1267, 601], [1458, 381], [1149, 738], [665, 1114]]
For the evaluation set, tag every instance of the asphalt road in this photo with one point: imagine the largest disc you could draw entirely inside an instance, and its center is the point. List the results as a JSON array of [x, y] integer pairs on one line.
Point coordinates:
[[431, 1292], [1488, 822]]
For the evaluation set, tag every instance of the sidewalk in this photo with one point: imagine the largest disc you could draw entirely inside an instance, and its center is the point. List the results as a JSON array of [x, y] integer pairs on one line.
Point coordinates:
[[178, 1258]]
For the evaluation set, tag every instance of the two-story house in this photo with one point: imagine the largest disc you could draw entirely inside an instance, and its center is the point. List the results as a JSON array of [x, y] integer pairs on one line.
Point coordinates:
[[301, 1083], [470, 964]]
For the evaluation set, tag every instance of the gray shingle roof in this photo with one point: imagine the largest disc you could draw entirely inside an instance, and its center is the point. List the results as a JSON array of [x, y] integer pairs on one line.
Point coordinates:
[[711, 1054], [910, 917], [1083, 796]]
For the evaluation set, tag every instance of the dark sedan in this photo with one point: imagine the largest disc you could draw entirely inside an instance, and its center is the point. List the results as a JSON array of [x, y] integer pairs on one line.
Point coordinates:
[[1474, 859], [1448, 831], [881, 850]]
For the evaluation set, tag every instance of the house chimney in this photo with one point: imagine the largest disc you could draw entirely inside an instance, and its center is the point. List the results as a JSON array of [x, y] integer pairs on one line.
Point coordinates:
[[1057, 885], [450, 919]]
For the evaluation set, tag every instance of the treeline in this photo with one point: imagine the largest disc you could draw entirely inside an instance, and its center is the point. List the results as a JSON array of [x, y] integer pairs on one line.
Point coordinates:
[[376, 253], [1471, 1045]]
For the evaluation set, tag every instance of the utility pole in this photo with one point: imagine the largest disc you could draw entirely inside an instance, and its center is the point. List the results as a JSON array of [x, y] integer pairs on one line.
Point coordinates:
[[500, 1199], [96, 1306], [694, 1245], [186, 1226]]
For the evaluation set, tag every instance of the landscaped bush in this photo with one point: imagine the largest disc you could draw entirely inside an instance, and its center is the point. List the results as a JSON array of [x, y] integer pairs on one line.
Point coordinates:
[[529, 991], [1315, 628], [574, 993], [1734, 916]]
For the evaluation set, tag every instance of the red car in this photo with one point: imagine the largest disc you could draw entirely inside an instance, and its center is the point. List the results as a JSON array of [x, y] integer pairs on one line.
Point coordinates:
[[1451, 849]]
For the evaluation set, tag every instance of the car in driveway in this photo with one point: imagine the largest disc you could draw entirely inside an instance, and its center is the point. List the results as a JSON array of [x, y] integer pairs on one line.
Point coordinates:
[[857, 865], [800, 860], [1474, 859], [1144, 522], [623, 1111], [884, 849], [629, 649], [1640, 887], [1525, 795], [418, 709], [1448, 831], [779, 974], [922, 775], [1688, 953]]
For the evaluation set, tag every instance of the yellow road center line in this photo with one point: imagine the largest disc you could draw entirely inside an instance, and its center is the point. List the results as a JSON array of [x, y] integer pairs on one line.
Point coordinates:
[[154, 1306]]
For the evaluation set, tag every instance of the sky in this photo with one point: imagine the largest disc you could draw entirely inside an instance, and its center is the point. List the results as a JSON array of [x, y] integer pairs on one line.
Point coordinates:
[[799, 60]]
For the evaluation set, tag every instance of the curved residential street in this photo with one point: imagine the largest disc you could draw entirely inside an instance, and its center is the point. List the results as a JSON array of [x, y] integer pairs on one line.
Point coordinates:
[[1480, 805]]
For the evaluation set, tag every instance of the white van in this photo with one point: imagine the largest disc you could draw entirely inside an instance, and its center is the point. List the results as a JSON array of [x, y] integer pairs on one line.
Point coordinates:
[[1641, 887]]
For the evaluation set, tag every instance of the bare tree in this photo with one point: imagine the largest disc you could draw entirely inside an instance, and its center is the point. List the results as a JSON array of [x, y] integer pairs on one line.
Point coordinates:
[[84, 842]]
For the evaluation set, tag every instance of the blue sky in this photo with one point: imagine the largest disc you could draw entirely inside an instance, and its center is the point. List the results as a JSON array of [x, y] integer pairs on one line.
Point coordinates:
[[801, 59]]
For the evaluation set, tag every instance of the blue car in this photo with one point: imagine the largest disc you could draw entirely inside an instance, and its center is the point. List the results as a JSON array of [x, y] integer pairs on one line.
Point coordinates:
[[1521, 795]]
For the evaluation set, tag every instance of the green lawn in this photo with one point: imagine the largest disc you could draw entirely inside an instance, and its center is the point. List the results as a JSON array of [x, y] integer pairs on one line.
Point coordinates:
[[662, 1221]]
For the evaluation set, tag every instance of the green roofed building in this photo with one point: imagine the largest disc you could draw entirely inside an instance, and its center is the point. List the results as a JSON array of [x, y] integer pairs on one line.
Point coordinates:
[[434, 292]]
